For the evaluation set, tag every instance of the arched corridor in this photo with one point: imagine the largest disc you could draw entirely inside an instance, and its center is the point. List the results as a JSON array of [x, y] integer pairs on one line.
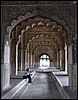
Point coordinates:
[[43, 38]]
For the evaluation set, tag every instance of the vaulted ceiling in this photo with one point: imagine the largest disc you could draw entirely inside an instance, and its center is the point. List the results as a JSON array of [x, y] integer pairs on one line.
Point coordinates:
[[46, 25], [44, 35]]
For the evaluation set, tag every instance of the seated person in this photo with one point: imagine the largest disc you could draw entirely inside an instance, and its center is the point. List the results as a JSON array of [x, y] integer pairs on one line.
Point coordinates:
[[27, 75]]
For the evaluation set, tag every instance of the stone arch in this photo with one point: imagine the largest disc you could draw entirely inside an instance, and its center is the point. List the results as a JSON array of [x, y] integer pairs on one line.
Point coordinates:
[[33, 21], [44, 53], [28, 15], [46, 58]]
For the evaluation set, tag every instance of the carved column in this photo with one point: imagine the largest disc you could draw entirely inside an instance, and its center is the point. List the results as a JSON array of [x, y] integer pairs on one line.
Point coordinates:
[[38, 60], [33, 60], [65, 57], [17, 55], [12, 56], [12, 53], [5, 79], [26, 59], [55, 59], [31, 54], [72, 67], [58, 60], [28, 55], [22, 53], [17, 59], [26, 50], [62, 60]]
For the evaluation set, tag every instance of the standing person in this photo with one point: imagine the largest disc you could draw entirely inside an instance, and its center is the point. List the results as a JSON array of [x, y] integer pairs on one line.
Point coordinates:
[[27, 75]]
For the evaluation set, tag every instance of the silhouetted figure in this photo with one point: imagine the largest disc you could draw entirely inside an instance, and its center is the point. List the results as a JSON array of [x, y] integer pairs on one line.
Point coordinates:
[[27, 75]]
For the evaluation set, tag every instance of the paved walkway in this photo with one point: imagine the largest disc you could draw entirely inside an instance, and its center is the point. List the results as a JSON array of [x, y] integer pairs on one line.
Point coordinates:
[[42, 87], [13, 83]]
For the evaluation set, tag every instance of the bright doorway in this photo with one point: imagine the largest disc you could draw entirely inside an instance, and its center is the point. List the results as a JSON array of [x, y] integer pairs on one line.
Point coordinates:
[[44, 61]]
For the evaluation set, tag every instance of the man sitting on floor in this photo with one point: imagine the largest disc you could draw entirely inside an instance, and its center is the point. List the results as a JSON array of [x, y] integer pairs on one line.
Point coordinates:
[[27, 75]]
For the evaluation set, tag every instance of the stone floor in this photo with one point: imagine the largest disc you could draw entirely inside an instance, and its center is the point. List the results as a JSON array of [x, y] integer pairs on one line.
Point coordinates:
[[13, 83], [42, 87]]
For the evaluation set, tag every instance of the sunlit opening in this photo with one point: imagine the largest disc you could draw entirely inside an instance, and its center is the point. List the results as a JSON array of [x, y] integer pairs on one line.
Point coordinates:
[[44, 61]]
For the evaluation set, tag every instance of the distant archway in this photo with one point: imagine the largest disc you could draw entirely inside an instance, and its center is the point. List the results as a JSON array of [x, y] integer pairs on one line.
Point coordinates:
[[44, 60]]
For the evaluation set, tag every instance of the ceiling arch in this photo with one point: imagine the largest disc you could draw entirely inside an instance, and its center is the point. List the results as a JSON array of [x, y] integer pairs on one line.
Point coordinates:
[[39, 41], [45, 54], [30, 15], [42, 31], [52, 28], [45, 50], [51, 39]]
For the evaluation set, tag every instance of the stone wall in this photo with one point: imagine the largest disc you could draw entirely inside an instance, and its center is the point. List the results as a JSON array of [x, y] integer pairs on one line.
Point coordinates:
[[61, 11]]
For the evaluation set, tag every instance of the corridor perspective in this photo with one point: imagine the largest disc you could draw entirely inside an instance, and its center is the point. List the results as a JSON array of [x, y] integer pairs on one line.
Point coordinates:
[[42, 87], [41, 36]]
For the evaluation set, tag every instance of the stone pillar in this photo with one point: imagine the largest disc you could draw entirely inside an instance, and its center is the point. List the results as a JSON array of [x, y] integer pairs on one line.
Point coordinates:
[[33, 60], [17, 56], [51, 63], [72, 68], [55, 60], [26, 49], [62, 65], [38, 61], [65, 57], [29, 60], [22, 60], [38, 64], [17, 59], [30, 53], [22, 52], [26, 58], [12, 56], [58, 60], [5, 70]]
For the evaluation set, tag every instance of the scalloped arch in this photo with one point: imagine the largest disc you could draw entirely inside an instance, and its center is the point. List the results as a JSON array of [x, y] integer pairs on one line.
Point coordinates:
[[28, 15], [42, 52], [37, 36]]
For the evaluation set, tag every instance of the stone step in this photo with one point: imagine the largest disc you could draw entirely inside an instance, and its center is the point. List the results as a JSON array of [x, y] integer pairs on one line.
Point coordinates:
[[63, 86], [13, 91]]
